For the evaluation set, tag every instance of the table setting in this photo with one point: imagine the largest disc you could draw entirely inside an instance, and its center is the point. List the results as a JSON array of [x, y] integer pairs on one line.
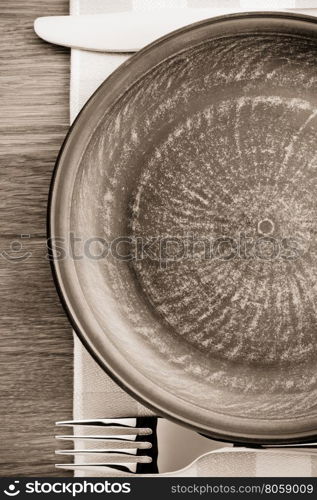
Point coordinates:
[[134, 400]]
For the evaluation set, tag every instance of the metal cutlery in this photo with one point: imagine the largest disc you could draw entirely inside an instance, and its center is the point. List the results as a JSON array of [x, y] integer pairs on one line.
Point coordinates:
[[125, 31], [127, 444]]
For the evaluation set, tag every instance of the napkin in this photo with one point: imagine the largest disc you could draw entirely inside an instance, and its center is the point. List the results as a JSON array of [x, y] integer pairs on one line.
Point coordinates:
[[95, 393]]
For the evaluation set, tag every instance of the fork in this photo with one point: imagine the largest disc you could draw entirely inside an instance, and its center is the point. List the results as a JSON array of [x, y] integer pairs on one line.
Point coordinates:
[[128, 446], [125, 444]]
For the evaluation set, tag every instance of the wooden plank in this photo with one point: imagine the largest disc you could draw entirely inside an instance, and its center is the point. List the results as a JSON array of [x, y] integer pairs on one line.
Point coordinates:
[[34, 95], [35, 361], [36, 339]]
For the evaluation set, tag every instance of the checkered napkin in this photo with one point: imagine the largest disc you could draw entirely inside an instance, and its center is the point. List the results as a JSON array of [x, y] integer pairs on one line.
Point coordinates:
[[95, 394]]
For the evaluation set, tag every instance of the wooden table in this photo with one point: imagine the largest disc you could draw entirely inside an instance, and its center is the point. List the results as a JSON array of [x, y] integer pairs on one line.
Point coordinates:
[[36, 339]]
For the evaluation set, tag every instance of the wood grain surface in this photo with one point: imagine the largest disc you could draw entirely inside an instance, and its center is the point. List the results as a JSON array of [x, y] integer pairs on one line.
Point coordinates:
[[36, 339]]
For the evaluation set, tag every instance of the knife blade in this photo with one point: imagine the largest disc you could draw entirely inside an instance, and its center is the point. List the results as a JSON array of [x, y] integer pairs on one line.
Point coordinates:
[[124, 31]]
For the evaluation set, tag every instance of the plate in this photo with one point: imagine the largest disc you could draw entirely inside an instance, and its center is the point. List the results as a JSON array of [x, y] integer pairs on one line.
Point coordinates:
[[183, 221]]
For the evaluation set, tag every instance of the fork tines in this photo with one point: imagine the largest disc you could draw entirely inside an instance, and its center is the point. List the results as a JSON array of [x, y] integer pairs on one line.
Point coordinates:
[[123, 445]]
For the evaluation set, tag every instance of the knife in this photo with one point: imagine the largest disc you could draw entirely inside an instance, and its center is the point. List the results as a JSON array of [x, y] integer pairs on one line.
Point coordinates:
[[124, 31]]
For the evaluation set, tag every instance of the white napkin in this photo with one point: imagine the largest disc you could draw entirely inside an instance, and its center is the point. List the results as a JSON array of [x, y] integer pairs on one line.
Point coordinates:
[[95, 394]]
